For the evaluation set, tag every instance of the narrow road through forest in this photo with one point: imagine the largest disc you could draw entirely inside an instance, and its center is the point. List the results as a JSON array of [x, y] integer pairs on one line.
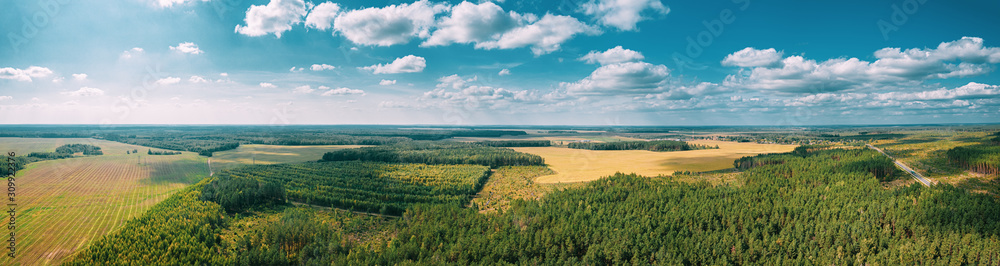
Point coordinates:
[[899, 164]]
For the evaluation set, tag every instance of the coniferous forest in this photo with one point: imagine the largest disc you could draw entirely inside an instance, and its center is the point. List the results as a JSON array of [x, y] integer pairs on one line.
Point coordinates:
[[655, 145]]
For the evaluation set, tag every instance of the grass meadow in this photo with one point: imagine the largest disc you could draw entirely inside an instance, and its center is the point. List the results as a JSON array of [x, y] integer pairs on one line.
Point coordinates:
[[65, 204]]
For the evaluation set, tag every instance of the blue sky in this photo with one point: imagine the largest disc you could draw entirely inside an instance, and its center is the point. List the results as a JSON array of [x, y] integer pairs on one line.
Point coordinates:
[[578, 62]]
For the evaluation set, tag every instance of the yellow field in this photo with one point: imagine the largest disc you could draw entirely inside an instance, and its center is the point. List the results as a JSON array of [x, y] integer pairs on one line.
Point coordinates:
[[577, 165], [272, 154], [65, 204]]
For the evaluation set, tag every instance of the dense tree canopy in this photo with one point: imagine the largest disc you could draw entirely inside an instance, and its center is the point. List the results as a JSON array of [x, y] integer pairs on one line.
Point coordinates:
[[654, 145], [437, 153]]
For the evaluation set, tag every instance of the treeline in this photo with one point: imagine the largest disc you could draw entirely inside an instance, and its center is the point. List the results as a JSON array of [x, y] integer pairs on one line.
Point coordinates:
[[437, 153], [151, 152], [66, 151], [372, 187], [515, 143], [854, 160], [981, 158], [86, 149], [654, 145], [237, 194]]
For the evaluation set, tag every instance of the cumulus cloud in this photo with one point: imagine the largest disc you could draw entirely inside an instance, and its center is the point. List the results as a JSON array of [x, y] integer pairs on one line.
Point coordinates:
[[972, 90], [80, 76], [197, 79], [84, 92], [321, 67], [321, 17], [504, 72], [296, 69], [543, 36], [688, 92], [893, 67], [623, 14], [187, 48], [268, 85], [304, 89], [751, 57], [343, 91], [24, 74], [406, 64], [276, 17], [4, 98], [167, 81], [135, 51], [395, 24], [453, 91], [629, 78], [469, 23], [612, 56], [169, 3], [386, 82]]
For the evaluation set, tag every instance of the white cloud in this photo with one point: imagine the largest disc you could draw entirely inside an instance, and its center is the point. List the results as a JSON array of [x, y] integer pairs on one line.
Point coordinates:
[[470, 23], [169, 3], [321, 67], [267, 85], [968, 91], [296, 70], [58, 79], [612, 56], [629, 78], [187, 48], [394, 24], [622, 14], [24, 74], [455, 92], [751, 57], [894, 67], [343, 91], [543, 36], [276, 17], [688, 92], [321, 17], [4, 98], [406, 64], [386, 82], [224, 74], [304, 89], [504, 72], [80, 76], [168, 81], [84, 91], [135, 51], [197, 79]]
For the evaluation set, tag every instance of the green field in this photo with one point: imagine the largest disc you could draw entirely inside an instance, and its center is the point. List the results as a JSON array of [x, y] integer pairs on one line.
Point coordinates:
[[66, 204], [272, 154]]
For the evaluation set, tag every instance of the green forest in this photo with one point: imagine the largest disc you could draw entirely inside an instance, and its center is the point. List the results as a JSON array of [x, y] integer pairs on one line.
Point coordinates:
[[437, 153], [983, 158], [654, 145], [373, 187], [821, 206]]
